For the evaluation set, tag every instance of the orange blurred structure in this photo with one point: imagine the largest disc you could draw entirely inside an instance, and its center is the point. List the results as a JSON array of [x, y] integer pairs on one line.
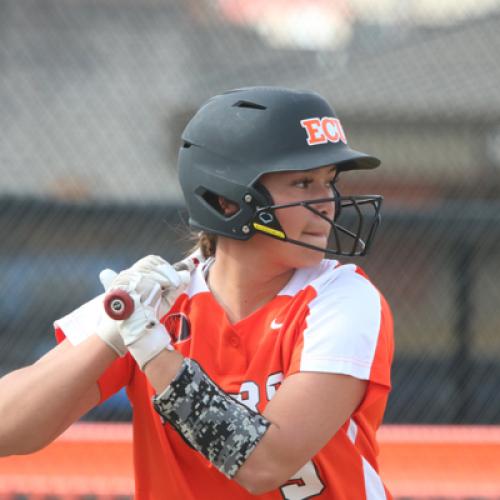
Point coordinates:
[[449, 462], [452, 462], [87, 459]]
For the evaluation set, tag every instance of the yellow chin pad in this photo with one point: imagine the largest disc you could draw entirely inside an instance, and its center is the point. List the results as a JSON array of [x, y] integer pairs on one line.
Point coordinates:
[[268, 230]]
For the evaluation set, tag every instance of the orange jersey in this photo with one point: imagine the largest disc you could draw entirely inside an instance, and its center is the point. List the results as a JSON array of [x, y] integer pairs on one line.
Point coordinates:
[[328, 318]]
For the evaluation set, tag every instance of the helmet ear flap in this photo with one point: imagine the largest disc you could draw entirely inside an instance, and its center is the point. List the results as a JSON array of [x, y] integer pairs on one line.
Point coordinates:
[[263, 190]]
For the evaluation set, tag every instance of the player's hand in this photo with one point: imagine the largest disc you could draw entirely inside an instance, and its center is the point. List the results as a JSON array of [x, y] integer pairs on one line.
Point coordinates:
[[153, 285], [171, 281], [142, 333], [107, 328], [134, 283]]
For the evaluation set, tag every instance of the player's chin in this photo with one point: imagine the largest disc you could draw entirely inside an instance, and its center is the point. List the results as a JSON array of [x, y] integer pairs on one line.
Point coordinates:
[[297, 256], [308, 256]]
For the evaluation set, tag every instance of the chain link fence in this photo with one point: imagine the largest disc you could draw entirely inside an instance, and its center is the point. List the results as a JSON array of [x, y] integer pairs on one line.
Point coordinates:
[[94, 95]]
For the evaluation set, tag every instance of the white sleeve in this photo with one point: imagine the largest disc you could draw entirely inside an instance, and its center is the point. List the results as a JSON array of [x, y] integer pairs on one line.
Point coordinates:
[[343, 326], [81, 323]]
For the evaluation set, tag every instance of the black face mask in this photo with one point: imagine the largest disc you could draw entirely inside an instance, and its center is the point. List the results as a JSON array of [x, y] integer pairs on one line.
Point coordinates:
[[353, 226]]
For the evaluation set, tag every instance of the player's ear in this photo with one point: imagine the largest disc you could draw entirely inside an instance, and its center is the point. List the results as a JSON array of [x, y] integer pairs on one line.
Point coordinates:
[[228, 207]]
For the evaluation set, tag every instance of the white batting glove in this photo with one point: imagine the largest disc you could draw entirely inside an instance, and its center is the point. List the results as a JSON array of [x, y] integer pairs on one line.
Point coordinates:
[[108, 329], [171, 281], [154, 285], [141, 334]]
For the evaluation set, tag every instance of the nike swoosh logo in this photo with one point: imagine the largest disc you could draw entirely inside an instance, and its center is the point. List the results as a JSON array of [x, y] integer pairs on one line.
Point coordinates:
[[276, 326]]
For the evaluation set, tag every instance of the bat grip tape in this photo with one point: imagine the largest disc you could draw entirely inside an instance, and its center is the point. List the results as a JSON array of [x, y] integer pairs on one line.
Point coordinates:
[[222, 429]]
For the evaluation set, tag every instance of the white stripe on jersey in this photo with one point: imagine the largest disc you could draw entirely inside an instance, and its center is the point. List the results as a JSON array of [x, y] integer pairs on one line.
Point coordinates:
[[374, 487], [343, 324], [82, 322], [352, 430]]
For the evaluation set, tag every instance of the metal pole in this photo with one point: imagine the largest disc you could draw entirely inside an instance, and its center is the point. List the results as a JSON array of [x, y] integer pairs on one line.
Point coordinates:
[[462, 363]]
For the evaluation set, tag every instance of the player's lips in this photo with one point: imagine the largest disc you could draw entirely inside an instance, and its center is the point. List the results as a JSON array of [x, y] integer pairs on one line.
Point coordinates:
[[316, 234]]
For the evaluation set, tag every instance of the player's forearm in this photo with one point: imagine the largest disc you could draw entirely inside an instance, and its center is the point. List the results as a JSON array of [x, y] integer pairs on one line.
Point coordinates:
[[38, 402], [270, 464], [163, 368], [306, 412]]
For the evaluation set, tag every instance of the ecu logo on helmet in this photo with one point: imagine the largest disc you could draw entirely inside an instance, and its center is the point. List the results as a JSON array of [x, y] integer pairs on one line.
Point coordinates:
[[323, 130]]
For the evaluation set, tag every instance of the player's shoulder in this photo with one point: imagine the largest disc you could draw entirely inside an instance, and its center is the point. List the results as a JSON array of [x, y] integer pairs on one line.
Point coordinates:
[[346, 284], [329, 276]]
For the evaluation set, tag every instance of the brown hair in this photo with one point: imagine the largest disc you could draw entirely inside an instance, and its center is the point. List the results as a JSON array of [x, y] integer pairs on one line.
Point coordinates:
[[206, 242]]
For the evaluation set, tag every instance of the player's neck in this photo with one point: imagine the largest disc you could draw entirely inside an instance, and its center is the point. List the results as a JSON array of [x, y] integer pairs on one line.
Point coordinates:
[[243, 281]]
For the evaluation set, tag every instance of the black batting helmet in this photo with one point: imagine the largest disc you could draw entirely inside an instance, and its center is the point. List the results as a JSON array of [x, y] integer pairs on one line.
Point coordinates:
[[238, 136]]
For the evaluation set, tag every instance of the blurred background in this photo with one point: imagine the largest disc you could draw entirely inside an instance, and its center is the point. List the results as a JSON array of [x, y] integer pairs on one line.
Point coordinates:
[[95, 93]]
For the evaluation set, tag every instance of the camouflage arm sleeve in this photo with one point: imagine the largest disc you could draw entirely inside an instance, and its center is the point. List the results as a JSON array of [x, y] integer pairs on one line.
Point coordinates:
[[212, 422]]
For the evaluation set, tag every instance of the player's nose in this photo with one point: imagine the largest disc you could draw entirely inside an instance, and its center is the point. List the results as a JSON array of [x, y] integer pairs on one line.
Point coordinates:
[[327, 207]]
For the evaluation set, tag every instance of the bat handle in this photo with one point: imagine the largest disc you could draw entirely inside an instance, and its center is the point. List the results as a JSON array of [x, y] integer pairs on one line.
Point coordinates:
[[118, 304]]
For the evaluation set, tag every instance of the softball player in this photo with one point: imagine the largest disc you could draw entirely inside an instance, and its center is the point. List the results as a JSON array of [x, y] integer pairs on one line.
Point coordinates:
[[265, 370]]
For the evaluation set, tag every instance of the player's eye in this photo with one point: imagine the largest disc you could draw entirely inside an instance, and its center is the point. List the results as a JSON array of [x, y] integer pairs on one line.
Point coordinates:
[[303, 183]]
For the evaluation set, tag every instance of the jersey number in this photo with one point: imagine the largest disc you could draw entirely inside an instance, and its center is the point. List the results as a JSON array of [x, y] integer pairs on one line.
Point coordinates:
[[249, 391], [304, 484]]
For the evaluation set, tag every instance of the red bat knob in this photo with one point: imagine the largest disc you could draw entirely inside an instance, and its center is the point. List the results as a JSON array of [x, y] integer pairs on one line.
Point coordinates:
[[118, 304]]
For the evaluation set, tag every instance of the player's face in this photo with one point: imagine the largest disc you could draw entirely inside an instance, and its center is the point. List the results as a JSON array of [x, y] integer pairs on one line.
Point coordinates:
[[298, 222]]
